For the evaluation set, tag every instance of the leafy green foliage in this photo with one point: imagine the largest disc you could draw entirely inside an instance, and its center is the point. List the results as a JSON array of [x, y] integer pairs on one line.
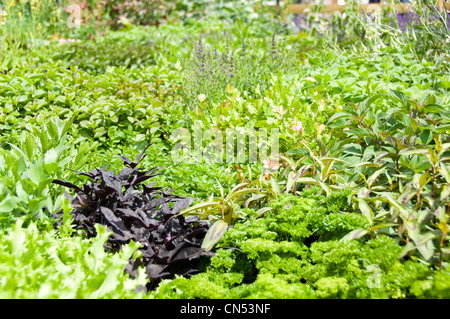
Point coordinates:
[[96, 57], [272, 263], [234, 63], [36, 264], [357, 206], [28, 169]]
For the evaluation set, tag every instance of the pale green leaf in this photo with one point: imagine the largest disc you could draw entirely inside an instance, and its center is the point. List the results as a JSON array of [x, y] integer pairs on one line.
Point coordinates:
[[354, 234], [214, 234]]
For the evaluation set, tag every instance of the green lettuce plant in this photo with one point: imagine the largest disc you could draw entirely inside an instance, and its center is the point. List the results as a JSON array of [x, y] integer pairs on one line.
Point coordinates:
[[61, 265]]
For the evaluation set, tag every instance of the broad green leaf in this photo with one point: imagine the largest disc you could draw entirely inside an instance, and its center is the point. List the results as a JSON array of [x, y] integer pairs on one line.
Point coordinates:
[[275, 187], [426, 137], [420, 180], [382, 155], [355, 234], [263, 210], [338, 115], [432, 156], [253, 198], [407, 248], [297, 151], [425, 245], [36, 173], [400, 96], [28, 146], [52, 129], [8, 204], [374, 176], [43, 138], [406, 196], [373, 98], [214, 234], [51, 160], [235, 188], [365, 210], [360, 132]]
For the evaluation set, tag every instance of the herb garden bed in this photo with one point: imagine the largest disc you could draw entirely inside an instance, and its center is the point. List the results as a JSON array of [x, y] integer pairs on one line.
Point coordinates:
[[217, 152]]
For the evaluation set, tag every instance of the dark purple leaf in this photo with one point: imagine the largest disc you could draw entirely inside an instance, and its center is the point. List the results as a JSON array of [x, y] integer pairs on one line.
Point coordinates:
[[190, 253], [90, 175], [120, 232], [148, 253], [144, 214], [156, 270], [67, 184], [181, 204], [155, 203]]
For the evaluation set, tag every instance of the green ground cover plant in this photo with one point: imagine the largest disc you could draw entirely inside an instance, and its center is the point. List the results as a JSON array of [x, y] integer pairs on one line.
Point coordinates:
[[357, 205], [297, 251]]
